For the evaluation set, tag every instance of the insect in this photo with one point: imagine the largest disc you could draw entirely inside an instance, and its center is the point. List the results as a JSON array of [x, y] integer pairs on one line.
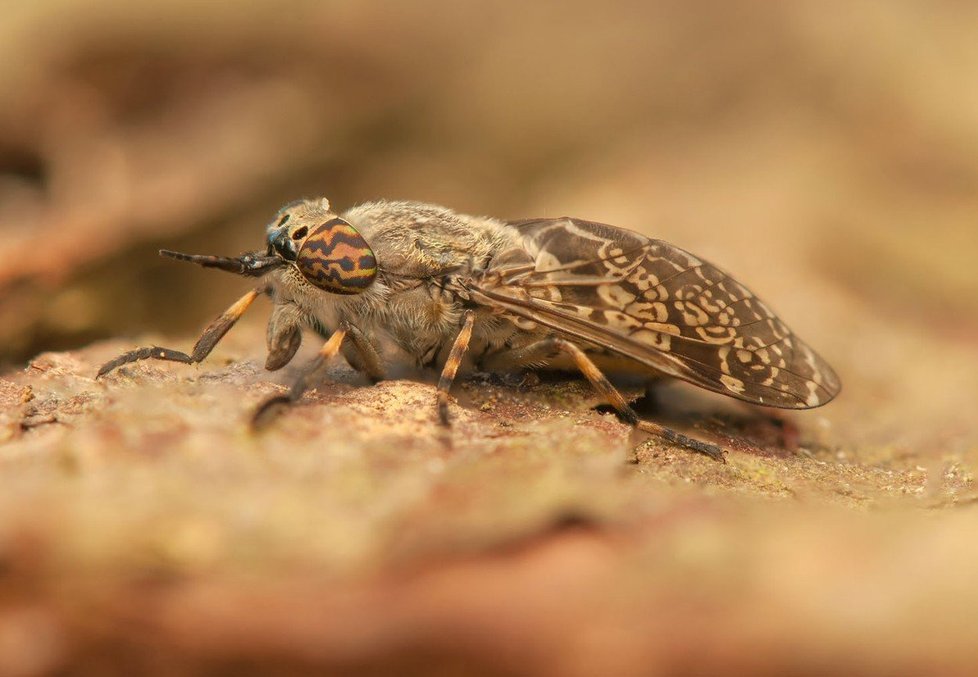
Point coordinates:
[[406, 280]]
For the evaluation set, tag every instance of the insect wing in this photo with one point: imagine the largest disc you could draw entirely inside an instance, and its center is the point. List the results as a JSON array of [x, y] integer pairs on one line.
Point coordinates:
[[659, 305]]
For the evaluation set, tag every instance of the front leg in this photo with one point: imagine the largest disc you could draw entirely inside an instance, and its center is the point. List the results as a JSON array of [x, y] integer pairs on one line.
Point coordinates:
[[283, 335], [210, 337]]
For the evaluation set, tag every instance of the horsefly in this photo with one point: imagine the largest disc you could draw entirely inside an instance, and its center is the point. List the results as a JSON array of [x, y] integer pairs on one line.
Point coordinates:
[[440, 288]]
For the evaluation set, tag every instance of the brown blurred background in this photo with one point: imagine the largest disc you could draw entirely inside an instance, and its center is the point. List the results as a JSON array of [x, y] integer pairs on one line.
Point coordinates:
[[833, 144]]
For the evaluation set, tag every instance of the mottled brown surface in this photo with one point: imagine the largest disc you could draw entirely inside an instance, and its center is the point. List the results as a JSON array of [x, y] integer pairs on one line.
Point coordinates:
[[144, 526], [825, 154]]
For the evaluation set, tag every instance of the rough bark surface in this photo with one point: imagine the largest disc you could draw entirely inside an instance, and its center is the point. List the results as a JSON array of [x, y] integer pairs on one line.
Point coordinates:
[[144, 527]]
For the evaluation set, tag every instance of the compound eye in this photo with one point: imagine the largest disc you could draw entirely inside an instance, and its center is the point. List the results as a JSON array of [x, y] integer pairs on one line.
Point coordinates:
[[337, 259]]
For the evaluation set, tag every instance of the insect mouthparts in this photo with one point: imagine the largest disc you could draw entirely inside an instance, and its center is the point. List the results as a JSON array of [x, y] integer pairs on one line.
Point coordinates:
[[252, 264]]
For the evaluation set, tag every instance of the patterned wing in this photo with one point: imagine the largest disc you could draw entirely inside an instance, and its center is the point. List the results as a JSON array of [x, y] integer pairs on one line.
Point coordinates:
[[658, 304]]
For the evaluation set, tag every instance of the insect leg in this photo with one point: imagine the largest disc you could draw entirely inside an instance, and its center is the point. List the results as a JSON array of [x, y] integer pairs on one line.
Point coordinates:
[[263, 413], [283, 335], [359, 351], [452, 364], [364, 356], [604, 387], [532, 356], [211, 335]]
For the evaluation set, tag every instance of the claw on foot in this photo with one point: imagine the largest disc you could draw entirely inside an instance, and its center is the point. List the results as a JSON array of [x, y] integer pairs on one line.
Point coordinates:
[[268, 411], [715, 452]]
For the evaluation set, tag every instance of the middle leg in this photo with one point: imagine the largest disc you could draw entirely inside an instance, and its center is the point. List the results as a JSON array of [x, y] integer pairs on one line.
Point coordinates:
[[452, 364], [267, 409]]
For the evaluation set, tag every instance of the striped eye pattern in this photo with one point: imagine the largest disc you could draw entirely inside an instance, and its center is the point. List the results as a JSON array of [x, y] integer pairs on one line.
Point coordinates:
[[336, 258]]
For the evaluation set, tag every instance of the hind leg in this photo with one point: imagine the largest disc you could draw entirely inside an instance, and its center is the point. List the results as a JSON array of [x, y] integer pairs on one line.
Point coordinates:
[[548, 348]]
